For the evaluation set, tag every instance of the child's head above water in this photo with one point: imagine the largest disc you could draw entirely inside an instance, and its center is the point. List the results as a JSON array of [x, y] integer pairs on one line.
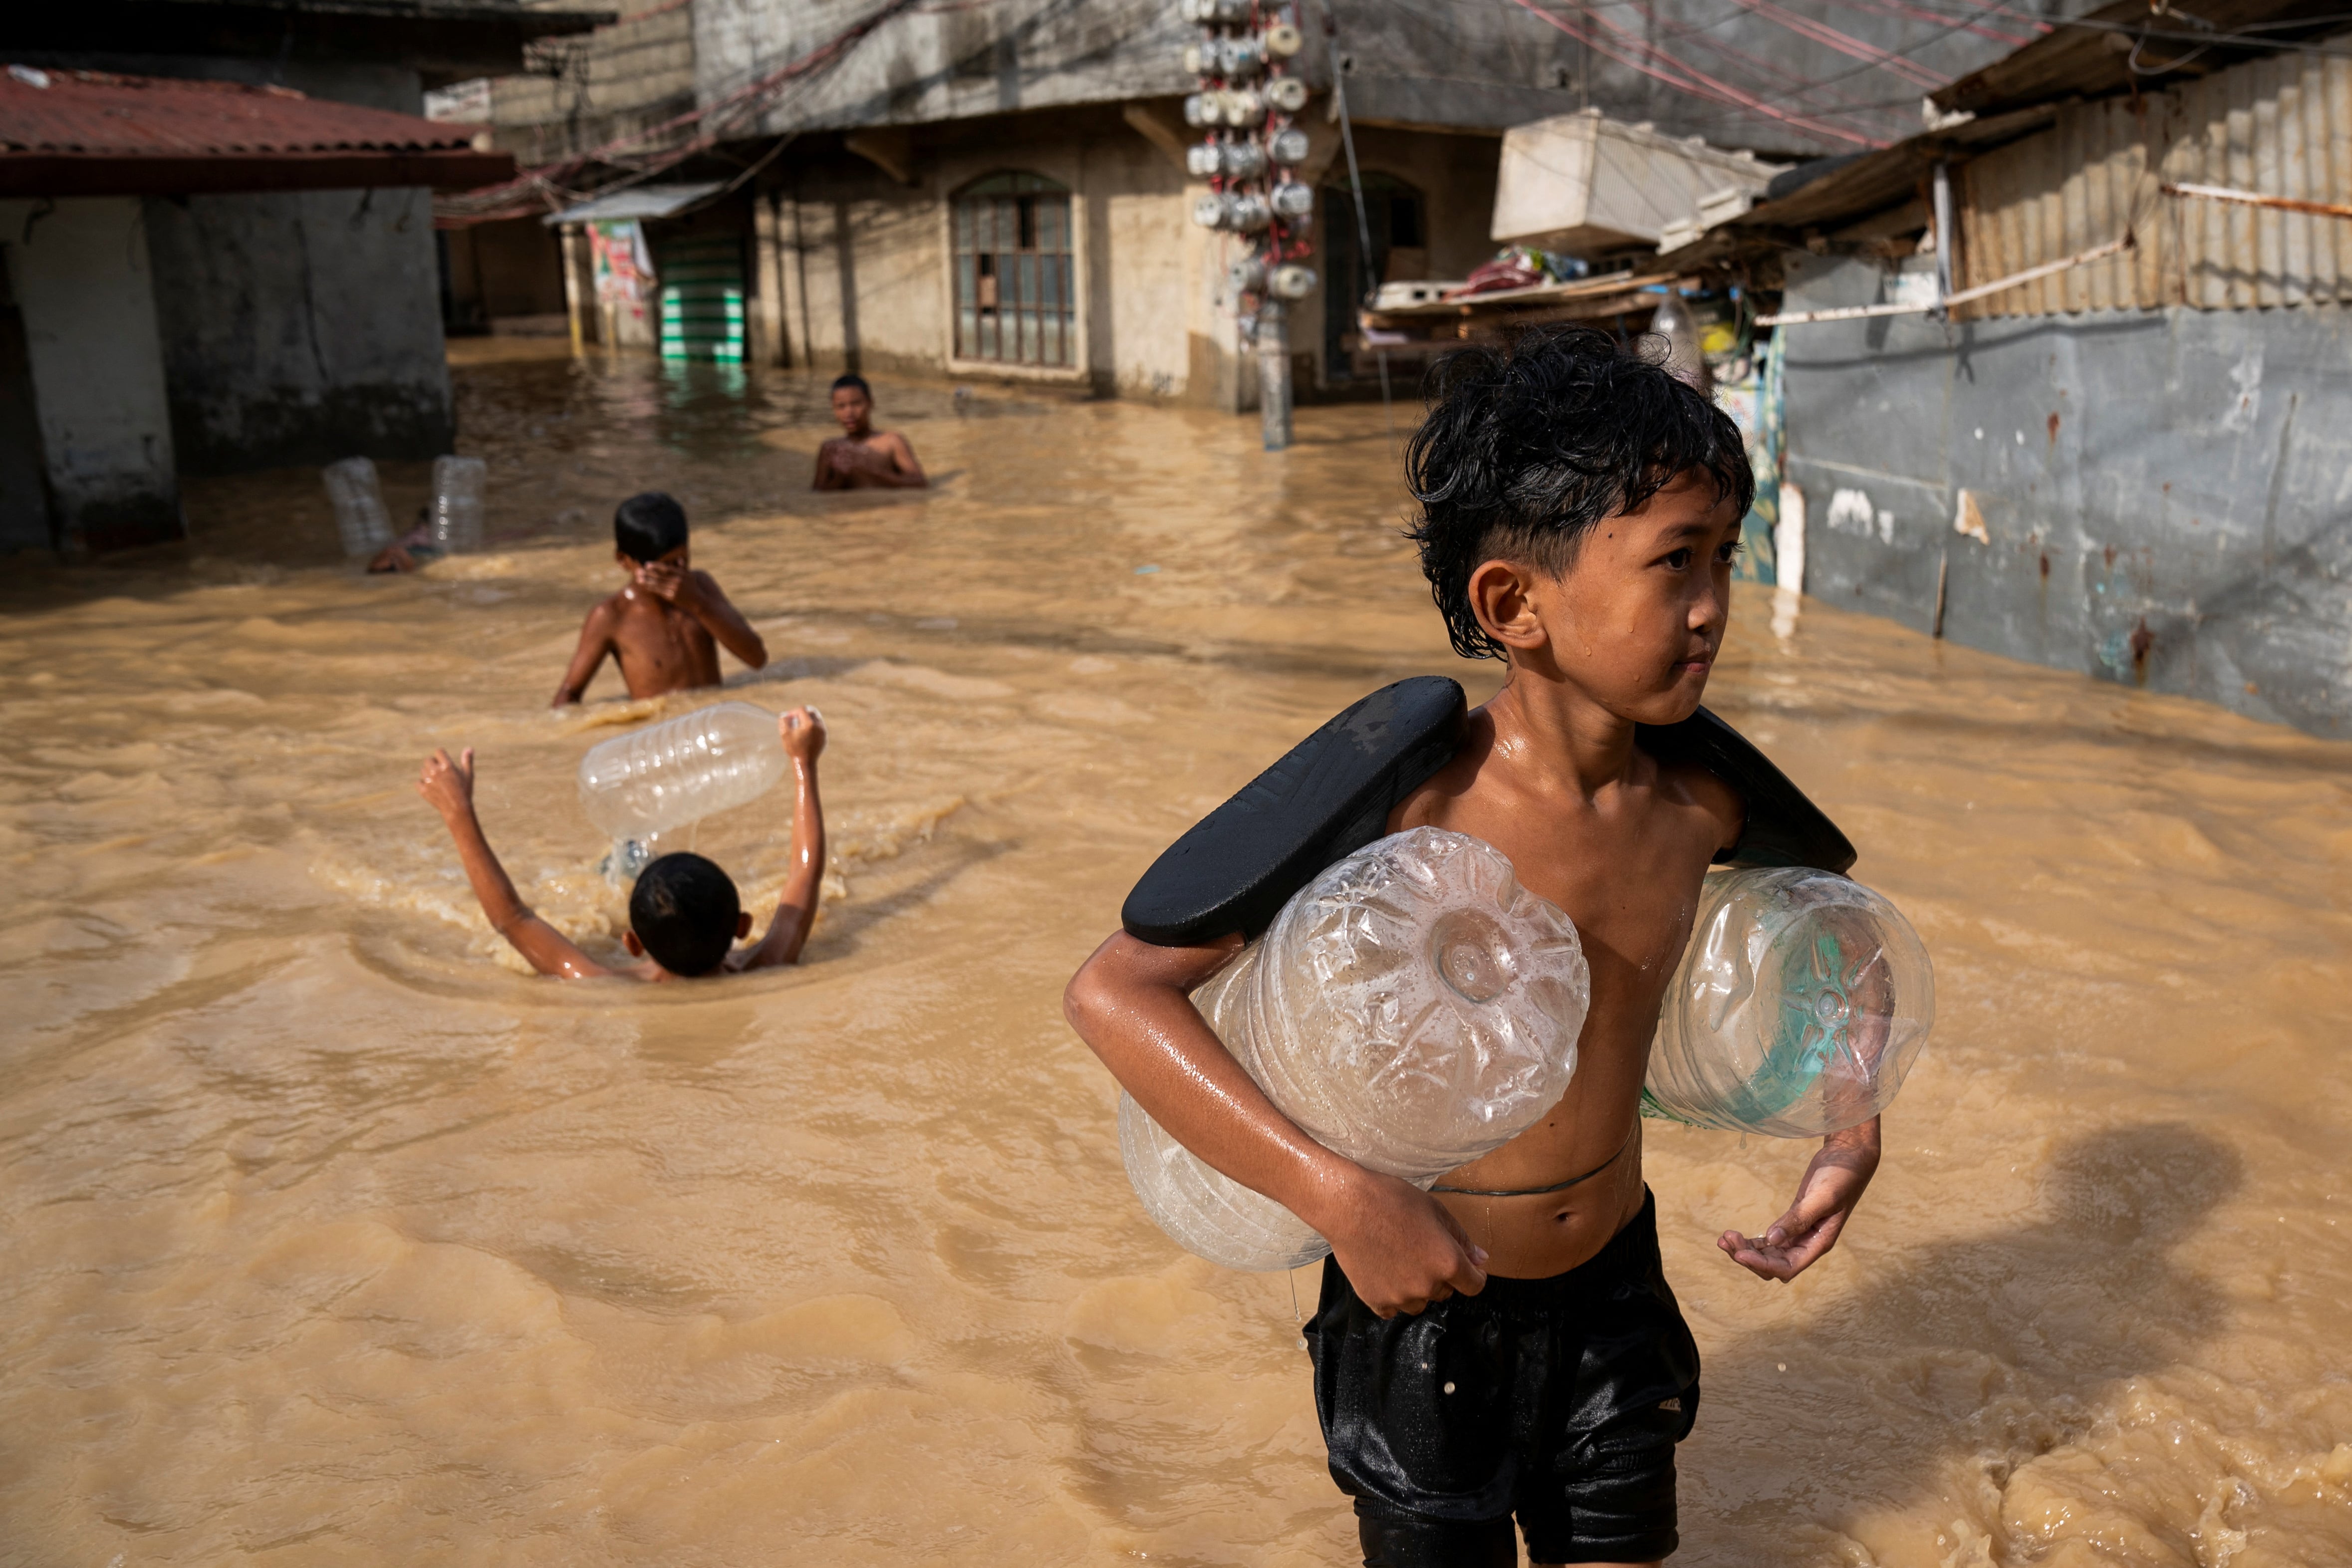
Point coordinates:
[[1527, 450], [853, 403], [649, 526], [1529, 446], [685, 915]]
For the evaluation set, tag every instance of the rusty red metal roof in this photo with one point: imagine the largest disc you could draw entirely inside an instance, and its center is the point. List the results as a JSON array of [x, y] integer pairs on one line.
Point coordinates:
[[73, 132]]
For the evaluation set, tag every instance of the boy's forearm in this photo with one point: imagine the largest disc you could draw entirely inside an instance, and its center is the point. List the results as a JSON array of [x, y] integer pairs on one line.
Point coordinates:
[[722, 620], [1147, 1031], [796, 906], [493, 889]]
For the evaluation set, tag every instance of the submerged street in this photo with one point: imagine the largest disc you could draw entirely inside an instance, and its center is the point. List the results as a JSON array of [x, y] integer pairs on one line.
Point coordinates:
[[329, 1235]]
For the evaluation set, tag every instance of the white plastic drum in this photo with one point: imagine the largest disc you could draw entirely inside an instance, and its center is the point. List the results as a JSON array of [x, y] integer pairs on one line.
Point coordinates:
[[1800, 1004], [1412, 1008]]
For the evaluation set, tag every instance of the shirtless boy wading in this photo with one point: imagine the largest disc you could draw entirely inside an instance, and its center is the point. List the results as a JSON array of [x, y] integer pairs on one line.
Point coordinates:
[[862, 457], [1507, 1344]]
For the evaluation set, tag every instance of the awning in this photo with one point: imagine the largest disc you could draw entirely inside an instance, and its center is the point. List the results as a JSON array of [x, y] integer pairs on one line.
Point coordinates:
[[637, 202], [92, 133]]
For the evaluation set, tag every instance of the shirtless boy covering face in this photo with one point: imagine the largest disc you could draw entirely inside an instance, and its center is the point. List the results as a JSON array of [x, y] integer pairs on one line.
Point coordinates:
[[862, 457], [663, 629], [1506, 1343]]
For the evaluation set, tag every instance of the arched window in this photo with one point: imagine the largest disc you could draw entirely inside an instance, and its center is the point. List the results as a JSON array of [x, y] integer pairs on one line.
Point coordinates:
[[1016, 302]]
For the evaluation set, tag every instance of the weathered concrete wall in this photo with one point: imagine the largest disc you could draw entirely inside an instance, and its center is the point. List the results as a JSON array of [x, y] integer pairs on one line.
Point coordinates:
[[1453, 66], [612, 82], [932, 63], [301, 327], [864, 260], [2166, 495], [79, 272]]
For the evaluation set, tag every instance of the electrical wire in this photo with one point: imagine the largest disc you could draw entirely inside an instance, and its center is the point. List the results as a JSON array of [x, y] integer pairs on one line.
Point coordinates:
[[1843, 42], [543, 188], [1692, 80]]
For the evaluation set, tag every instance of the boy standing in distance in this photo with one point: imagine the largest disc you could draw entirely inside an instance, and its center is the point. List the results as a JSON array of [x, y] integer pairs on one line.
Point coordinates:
[[665, 627], [685, 915], [1506, 1343], [862, 457]]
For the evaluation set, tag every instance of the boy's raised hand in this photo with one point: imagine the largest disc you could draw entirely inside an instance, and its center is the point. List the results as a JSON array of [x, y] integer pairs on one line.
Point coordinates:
[[1826, 1195], [672, 585], [802, 729], [448, 786], [1400, 1248]]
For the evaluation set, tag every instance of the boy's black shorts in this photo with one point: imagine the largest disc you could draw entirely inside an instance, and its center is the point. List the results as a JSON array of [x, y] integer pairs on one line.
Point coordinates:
[[1558, 1400]]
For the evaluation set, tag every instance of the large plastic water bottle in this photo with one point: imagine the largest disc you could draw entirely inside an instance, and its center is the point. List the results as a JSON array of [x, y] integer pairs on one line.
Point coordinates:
[[457, 485], [1412, 1008], [359, 517], [682, 770], [1799, 1005]]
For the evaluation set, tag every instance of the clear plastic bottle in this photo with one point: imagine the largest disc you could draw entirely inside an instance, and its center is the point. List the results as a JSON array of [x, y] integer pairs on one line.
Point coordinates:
[[1799, 1005], [1412, 1008], [458, 504], [359, 517], [682, 770]]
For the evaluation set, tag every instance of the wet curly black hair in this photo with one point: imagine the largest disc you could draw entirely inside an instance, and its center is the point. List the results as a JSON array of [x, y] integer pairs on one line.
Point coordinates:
[[1529, 445]]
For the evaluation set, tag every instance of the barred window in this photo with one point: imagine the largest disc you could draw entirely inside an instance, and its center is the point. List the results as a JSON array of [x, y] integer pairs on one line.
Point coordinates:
[[1016, 298]]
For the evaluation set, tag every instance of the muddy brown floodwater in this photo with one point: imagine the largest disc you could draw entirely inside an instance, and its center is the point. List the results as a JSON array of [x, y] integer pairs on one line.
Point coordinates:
[[327, 1237]]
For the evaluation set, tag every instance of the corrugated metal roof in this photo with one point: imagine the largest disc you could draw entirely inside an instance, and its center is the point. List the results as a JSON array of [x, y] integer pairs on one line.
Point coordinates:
[[637, 202], [2278, 127], [2130, 46], [95, 114]]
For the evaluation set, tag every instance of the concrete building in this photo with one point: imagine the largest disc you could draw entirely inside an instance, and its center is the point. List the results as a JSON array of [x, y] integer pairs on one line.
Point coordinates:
[[298, 320], [919, 121], [133, 328], [2101, 416]]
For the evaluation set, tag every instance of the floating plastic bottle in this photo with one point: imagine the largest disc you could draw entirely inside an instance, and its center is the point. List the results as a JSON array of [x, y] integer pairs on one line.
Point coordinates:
[[359, 516], [1412, 1008], [682, 770], [1800, 1004], [457, 485]]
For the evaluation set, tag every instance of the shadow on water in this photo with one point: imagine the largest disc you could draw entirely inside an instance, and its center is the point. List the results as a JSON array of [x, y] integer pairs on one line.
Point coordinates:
[[843, 931], [2014, 1338]]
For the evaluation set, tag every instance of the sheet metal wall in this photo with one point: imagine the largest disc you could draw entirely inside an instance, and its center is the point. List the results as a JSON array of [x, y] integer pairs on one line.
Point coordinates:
[[2281, 126]]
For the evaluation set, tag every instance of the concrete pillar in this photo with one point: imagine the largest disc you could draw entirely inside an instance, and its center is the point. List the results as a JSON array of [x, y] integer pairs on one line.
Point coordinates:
[[79, 271], [579, 288], [793, 268], [771, 339]]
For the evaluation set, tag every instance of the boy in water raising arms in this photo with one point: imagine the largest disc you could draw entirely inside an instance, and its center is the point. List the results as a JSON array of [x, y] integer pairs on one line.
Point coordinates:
[[685, 915], [862, 457], [1506, 1343], [663, 629]]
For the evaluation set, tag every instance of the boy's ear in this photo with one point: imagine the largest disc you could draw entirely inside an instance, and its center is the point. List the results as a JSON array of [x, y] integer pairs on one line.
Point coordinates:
[[742, 925], [629, 940], [1502, 595]]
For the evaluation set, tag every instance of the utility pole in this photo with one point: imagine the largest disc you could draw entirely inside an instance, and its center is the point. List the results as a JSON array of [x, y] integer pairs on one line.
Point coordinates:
[[1249, 156], [1274, 374]]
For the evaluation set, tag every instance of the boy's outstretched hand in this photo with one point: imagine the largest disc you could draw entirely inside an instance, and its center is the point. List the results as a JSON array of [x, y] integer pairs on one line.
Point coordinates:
[[802, 729], [448, 786], [1826, 1195]]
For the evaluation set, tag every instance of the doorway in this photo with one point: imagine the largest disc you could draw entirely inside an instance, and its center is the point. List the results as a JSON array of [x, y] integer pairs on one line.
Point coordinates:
[[1398, 220]]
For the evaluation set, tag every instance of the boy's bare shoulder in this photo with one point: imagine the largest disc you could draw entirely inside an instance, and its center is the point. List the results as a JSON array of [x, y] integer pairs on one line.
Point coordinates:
[[1721, 805]]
